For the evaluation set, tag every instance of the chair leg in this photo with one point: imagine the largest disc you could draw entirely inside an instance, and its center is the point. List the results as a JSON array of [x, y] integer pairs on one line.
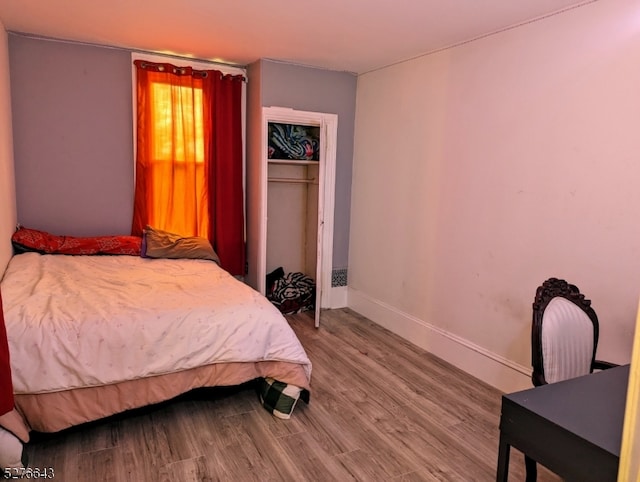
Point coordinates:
[[531, 468]]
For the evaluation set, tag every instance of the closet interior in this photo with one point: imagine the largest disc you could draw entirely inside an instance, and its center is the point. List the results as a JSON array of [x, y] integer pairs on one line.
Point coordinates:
[[295, 156]]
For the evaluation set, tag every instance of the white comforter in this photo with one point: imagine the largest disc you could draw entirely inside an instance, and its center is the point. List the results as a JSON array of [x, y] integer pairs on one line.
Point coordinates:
[[78, 321]]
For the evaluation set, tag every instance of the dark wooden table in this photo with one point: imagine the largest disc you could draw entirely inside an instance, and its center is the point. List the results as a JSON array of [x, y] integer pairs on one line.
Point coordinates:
[[574, 427]]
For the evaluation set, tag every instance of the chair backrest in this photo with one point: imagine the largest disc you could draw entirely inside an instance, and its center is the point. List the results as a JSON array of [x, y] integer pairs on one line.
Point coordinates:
[[564, 334]]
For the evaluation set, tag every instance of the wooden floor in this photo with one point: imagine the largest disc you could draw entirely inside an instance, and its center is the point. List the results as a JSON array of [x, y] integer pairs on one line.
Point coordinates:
[[381, 409]]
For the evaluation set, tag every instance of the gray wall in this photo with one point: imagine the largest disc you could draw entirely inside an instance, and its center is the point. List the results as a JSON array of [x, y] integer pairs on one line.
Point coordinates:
[[73, 141], [319, 90]]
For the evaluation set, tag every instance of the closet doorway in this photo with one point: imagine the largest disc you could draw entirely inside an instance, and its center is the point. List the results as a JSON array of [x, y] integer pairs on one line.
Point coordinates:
[[298, 150]]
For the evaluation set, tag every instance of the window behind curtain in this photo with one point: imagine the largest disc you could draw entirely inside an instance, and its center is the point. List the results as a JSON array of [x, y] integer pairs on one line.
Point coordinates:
[[180, 199]]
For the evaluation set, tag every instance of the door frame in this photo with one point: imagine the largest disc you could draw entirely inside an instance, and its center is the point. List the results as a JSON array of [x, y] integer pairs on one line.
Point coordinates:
[[326, 196]]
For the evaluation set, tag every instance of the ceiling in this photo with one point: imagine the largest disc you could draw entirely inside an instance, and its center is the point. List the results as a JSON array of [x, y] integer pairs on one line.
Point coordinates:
[[345, 35]]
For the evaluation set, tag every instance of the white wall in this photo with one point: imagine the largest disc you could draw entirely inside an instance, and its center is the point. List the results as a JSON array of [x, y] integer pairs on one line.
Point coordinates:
[[486, 168], [7, 185]]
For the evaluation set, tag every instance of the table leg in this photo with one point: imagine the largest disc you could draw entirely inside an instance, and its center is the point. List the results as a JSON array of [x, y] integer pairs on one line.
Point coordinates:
[[502, 474], [531, 469]]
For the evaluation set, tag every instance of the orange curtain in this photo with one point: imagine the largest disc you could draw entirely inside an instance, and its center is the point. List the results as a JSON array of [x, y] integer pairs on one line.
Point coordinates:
[[189, 157], [171, 188]]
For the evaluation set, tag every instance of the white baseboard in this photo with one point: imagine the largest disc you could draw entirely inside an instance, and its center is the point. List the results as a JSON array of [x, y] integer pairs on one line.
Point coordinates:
[[497, 371], [338, 297]]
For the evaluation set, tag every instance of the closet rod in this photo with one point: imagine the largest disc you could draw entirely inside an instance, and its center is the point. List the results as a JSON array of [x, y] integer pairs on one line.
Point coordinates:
[[287, 179]]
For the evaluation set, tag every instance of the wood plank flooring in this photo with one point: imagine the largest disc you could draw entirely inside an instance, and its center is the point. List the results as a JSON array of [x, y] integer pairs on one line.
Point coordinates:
[[381, 409]]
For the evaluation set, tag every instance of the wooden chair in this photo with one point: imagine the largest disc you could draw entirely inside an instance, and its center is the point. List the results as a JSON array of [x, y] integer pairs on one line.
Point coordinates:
[[564, 339]]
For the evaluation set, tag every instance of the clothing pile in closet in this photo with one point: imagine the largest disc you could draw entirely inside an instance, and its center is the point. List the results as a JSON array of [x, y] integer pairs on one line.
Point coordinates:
[[291, 292]]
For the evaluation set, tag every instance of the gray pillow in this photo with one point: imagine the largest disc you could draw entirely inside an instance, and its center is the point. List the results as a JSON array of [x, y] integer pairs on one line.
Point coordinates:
[[157, 243]]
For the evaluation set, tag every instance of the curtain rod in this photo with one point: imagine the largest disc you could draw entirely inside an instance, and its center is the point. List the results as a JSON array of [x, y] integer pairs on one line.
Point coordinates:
[[127, 49]]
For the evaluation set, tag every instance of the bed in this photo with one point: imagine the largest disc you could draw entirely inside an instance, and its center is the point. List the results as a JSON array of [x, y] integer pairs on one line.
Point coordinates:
[[91, 335]]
